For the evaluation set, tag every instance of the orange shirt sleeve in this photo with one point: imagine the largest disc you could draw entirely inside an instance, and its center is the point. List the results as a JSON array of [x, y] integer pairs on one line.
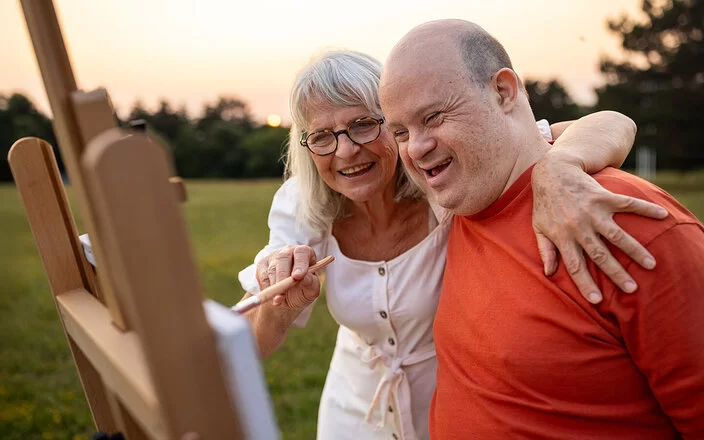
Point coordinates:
[[662, 325]]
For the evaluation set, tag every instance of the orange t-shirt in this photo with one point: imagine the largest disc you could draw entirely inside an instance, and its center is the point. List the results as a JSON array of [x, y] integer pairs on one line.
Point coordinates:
[[521, 355]]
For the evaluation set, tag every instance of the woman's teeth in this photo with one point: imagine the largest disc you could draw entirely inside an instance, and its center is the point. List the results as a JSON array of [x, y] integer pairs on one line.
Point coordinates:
[[356, 169]]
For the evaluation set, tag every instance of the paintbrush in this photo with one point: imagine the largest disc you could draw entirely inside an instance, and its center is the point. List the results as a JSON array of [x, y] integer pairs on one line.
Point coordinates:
[[277, 289]]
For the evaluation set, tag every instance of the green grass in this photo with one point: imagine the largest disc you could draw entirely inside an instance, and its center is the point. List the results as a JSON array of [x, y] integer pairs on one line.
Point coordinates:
[[40, 396]]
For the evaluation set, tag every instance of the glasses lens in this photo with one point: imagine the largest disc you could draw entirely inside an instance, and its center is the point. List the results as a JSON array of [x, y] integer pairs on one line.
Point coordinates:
[[321, 141], [364, 131]]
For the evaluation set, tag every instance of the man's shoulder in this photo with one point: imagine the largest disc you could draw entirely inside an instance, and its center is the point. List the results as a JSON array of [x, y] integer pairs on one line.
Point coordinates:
[[642, 228]]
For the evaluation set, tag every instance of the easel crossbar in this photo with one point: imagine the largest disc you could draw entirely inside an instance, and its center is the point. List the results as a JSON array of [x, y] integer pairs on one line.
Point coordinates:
[[116, 355]]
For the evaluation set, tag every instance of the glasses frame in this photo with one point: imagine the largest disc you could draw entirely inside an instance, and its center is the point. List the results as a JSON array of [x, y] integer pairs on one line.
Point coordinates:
[[304, 136]]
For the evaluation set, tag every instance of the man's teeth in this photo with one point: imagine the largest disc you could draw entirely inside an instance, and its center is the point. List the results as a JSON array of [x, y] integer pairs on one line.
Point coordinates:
[[439, 167], [356, 169]]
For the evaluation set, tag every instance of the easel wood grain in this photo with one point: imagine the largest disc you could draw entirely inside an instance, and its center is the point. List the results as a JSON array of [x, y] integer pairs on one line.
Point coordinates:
[[146, 355], [38, 181]]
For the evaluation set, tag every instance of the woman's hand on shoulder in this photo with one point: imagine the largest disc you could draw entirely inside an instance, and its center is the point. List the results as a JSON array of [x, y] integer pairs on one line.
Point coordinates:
[[572, 212], [290, 261]]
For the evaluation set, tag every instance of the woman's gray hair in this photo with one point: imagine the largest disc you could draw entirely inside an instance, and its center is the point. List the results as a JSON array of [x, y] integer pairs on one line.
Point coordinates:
[[339, 78]]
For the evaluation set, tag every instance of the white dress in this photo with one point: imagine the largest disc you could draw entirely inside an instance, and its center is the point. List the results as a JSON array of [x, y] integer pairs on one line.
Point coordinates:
[[382, 374]]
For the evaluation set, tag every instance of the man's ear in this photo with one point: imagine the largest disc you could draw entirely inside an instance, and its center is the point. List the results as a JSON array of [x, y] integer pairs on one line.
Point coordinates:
[[506, 86]]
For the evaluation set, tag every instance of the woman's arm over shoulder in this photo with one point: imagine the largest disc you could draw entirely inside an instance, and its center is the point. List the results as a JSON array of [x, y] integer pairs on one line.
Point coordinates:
[[572, 212], [614, 131]]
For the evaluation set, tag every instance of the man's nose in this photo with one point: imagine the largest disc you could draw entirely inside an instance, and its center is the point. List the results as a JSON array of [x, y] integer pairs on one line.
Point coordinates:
[[419, 145], [345, 147]]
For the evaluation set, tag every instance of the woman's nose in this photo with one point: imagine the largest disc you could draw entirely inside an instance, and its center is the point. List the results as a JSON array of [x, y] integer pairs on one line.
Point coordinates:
[[345, 147]]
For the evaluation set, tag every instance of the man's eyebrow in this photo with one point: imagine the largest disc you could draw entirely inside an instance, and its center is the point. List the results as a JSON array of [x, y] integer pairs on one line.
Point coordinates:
[[421, 111]]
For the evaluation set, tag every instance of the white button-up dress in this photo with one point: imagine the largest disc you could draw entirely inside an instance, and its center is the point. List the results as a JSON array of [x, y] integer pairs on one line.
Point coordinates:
[[382, 374]]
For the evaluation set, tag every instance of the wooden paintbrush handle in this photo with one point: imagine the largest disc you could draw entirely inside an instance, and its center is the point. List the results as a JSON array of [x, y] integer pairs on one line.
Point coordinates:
[[277, 289]]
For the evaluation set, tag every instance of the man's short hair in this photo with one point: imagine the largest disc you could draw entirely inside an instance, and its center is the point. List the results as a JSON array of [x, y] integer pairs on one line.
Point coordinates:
[[483, 56]]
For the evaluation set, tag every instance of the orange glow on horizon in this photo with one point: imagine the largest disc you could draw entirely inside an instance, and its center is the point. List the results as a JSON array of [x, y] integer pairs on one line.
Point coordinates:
[[273, 120], [191, 51]]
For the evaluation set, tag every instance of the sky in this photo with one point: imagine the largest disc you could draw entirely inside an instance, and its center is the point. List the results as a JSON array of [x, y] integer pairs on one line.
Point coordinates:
[[189, 52]]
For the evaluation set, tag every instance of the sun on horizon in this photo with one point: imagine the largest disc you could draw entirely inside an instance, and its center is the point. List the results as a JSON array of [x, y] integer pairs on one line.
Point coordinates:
[[273, 120]]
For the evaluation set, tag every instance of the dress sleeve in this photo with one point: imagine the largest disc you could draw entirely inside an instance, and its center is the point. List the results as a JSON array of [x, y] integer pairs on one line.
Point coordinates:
[[662, 325], [544, 128], [284, 230]]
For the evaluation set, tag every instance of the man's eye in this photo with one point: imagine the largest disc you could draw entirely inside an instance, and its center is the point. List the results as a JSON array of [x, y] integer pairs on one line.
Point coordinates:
[[432, 118], [401, 135]]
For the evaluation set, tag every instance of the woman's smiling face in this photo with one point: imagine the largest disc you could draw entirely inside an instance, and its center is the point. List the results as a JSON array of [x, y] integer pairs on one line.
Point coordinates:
[[359, 172]]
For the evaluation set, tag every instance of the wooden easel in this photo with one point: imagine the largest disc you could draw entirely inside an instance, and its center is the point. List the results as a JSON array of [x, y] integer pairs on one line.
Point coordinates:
[[152, 361]]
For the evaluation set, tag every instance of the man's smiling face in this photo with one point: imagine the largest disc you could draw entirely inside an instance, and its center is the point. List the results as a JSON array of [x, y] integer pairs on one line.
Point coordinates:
[[448, 128]]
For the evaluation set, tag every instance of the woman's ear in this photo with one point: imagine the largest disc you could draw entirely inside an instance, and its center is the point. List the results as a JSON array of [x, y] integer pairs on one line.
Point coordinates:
[[507, 87]]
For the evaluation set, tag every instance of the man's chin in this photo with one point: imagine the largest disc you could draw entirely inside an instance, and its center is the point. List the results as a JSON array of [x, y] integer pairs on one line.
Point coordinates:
[[445, 199]]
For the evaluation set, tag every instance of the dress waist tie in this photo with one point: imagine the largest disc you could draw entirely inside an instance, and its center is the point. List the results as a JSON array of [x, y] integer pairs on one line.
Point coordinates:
[[393, 382]]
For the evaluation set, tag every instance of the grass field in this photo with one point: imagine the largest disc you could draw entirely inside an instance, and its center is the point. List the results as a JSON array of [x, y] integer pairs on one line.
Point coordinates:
[[40, 396]]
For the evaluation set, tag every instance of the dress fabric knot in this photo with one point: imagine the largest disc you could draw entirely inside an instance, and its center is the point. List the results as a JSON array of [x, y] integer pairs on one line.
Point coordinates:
[[392, 384]]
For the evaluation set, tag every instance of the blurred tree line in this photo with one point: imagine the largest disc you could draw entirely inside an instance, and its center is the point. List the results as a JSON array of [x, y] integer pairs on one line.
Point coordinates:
[[224, 142], [660, 85]]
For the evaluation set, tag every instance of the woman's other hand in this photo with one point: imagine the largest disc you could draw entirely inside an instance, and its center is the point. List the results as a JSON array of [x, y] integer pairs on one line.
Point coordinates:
[[290, 261], [572, 212]]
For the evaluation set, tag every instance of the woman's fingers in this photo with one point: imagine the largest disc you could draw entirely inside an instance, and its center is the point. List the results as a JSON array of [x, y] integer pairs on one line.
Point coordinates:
[[290, 261], [548, 253], [304, 293], [602, 257], [262, 274], [611, 231], [576, 267], [283, 263], [633, 205], [303, 258]]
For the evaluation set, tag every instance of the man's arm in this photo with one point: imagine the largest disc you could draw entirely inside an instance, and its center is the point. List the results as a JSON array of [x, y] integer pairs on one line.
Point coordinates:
[[663, 326]]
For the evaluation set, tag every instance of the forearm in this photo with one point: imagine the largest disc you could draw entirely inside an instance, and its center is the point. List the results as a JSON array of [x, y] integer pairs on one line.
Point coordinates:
[[596, 141], [270, 326]]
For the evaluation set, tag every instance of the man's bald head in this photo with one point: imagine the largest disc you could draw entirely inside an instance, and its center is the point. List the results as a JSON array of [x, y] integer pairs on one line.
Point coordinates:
[[458, 112], [481, 54]]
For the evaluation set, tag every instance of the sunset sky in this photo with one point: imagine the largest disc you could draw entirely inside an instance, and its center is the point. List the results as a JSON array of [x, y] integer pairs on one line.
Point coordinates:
[[191, 51]]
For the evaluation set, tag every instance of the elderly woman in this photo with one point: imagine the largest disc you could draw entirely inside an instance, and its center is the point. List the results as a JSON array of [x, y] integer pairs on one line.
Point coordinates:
[[347, 195]]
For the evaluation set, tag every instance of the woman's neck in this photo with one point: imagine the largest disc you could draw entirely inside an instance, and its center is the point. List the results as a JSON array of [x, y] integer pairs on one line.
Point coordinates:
[[379, 211]]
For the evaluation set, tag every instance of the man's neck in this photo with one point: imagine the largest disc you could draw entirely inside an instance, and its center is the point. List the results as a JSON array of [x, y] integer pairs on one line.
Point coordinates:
[[529, 152]]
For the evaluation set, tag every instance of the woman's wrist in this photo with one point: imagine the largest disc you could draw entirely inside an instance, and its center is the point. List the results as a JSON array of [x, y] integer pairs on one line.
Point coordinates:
[[561, 158]]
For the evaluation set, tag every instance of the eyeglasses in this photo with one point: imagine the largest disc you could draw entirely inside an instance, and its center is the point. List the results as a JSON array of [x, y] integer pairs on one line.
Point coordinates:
[[362, 131]]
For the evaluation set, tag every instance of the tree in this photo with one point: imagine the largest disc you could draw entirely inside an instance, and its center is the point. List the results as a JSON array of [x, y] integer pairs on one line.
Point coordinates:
[[661, 83], [264, 147], [549, 100], [20, 118], [164, 121], [230, 110]]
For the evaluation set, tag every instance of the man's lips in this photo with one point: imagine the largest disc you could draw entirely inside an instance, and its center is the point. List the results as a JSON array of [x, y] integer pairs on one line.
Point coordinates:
[[437, 169]]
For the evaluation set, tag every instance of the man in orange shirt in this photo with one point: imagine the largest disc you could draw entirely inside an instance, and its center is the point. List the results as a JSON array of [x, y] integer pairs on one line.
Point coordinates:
[[521, 355]]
